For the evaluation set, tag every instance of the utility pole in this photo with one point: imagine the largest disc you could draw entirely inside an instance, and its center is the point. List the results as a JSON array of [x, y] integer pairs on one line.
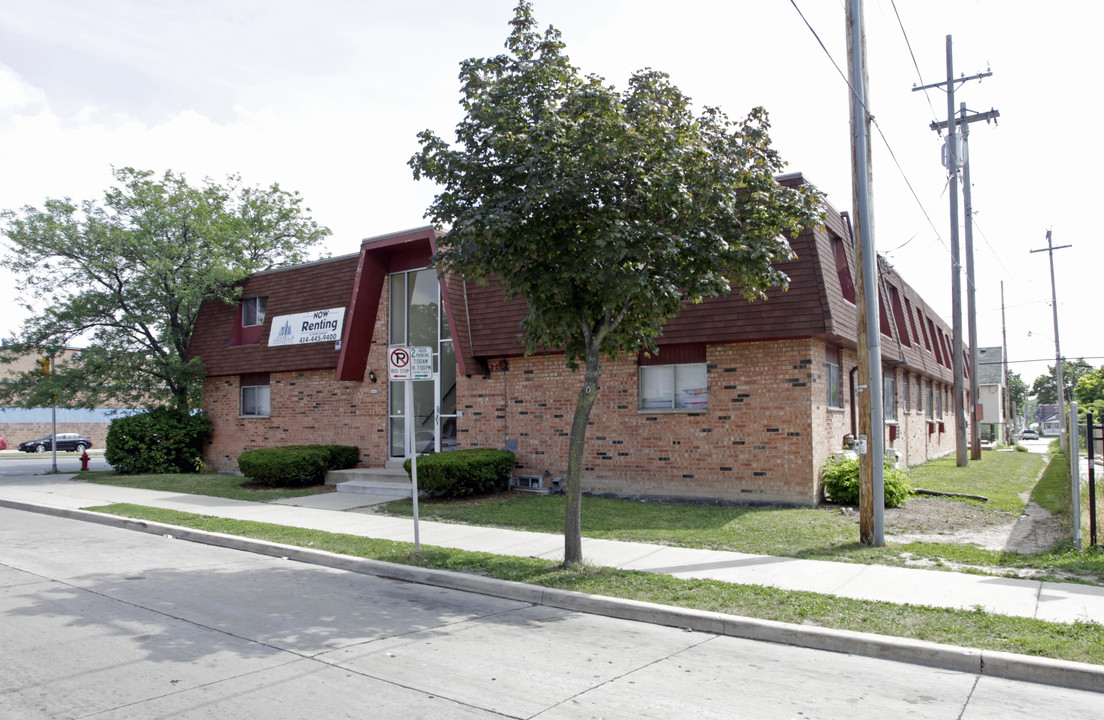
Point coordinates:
[[1004, 373], [953, 161], [1061, 387], [971, 306], [869, 341]]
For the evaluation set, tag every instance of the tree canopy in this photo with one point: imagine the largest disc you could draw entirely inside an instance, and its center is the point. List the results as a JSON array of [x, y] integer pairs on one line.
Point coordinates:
[[126, 277], [606, 211], [1017, 390], [1090, 393], [1044, 387]]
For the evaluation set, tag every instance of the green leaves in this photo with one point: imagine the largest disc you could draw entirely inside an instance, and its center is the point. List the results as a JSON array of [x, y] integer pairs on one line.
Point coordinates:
[[603, 209], [128, 274]]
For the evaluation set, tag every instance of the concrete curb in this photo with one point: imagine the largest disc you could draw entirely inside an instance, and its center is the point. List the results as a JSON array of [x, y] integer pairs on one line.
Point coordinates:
[[1062, 673]]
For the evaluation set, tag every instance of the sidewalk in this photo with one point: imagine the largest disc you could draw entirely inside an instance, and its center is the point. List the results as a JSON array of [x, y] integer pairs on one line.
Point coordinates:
[[1055, 602]]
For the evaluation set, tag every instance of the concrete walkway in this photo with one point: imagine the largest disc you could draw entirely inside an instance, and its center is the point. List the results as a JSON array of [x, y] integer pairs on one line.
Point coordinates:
[[333, 512]]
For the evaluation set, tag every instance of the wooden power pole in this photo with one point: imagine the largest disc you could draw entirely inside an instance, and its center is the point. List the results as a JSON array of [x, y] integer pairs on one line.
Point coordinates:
[[869, 342]]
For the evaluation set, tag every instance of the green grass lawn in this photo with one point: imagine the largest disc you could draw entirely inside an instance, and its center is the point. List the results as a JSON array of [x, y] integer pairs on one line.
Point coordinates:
[[814, 533], [223, 486], [1082, 642]]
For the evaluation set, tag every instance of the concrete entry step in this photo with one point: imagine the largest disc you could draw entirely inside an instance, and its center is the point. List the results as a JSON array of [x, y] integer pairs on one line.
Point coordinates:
[[371, 481]]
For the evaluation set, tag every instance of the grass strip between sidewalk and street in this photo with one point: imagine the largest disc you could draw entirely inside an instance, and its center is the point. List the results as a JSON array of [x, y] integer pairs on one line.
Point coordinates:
[[1082, 642]]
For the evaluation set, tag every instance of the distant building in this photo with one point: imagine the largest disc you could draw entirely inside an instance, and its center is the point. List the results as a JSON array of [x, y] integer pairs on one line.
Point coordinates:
[[991, 394], [20, 424]]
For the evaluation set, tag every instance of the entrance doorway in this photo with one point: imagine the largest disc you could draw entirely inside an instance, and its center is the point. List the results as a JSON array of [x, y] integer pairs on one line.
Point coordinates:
[[416, 319]]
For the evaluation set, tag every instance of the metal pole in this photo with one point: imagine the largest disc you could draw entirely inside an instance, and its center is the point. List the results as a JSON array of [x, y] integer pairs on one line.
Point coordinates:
[[1090, 437], [971, 310], [860, 121], [53, 434], [956, 281], [412, 453], [1075, 477]]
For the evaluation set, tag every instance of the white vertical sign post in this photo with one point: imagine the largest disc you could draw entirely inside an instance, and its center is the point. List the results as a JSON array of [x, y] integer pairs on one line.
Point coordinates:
[[407, 364], [400, 368]]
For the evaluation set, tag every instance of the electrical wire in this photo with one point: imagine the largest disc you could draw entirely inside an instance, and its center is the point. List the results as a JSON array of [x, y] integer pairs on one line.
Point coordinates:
[[919, 75], [881, 133]]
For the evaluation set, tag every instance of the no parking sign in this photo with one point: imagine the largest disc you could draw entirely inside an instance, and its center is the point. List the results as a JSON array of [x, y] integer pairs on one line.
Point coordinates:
[[399, 366], [410, 363]]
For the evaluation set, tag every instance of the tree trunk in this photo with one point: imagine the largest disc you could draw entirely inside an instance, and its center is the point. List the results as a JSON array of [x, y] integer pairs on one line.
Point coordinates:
[[573, 536]]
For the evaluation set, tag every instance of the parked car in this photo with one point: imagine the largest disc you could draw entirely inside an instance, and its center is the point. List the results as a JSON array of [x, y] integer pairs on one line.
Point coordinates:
[[3, 444], [1029, 435], [65, 442]]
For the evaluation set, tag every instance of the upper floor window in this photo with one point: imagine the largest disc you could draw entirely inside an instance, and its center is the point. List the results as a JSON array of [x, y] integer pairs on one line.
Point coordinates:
[[253, 311]]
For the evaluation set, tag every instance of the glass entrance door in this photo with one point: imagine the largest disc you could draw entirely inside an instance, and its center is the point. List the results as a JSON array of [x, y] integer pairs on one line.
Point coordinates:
[[417, 320]]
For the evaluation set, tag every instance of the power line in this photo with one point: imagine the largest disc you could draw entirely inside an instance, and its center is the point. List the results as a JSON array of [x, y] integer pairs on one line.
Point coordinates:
[[919, 75], [874, 121]]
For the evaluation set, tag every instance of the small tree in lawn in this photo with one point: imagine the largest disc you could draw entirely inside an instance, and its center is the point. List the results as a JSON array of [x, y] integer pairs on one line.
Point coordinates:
[[606, 211]]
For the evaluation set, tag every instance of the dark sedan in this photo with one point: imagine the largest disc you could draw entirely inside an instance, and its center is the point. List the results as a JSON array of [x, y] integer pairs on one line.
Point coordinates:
[[65, 442]]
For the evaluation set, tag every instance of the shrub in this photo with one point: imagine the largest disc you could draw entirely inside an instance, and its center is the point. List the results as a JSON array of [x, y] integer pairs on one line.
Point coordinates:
[[296, 465], [841, 482], [162, 440], [463, 473]]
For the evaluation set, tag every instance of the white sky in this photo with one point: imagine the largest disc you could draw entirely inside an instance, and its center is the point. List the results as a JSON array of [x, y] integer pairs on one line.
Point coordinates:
[[326, 98]]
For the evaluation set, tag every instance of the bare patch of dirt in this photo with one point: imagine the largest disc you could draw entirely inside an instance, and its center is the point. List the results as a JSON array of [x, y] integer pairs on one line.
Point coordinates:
[[944, 520]]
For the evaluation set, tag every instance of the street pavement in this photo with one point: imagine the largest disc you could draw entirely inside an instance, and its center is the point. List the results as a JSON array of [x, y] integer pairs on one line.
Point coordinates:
[[337, 512], [101, 622]]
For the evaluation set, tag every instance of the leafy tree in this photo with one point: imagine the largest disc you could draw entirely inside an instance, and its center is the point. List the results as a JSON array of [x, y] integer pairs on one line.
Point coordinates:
[[606, 211], [1044, 386], [127, 276], [1090, 394], [1017, 390]]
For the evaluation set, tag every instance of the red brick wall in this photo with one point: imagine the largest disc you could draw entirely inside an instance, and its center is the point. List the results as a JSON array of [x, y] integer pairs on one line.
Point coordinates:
[[753, 445], [764, 438]]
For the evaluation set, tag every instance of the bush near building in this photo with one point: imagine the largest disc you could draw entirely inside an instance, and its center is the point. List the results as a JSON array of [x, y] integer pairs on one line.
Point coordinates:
[[296, 465], [462, 473], [841, 482], [163, 440]]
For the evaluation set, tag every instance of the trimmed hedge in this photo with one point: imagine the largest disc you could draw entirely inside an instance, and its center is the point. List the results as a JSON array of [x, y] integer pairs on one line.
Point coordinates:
[[162, 440], [463, 473], [296, 465], [841, 482]]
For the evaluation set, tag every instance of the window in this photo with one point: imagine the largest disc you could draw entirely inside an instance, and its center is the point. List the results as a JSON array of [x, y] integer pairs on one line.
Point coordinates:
[[254, 395], [253, 311], [254, 401], [674, 387], [832, 368], [907, 394], [930, 405], [939, 403], [847, 288], [889, 395]]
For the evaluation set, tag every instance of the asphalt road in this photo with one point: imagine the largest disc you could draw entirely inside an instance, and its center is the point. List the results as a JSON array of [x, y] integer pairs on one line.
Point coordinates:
[[99, 622], [17, 464]]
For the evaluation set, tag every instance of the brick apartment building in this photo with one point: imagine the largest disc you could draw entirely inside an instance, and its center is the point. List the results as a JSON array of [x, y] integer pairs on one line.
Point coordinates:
[[744, 402]]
